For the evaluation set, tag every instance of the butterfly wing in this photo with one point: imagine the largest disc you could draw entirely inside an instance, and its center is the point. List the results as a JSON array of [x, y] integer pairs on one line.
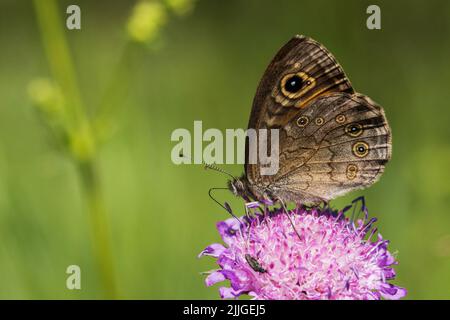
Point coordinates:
[[313, 66], [301, 93], [306, 60], [344, 145]]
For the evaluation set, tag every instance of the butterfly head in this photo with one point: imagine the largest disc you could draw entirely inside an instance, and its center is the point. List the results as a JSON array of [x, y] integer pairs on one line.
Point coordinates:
[[237, 187], [242, 188]]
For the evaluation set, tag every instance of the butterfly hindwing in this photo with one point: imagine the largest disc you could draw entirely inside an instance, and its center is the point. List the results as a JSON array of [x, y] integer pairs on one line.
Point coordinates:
[[349, 147]]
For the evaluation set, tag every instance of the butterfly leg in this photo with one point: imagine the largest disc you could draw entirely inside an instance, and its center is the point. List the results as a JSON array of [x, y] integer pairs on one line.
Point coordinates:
[[363, 208], [289, 217], [356, 213], [263, 211], [247, 212], [249, 219]]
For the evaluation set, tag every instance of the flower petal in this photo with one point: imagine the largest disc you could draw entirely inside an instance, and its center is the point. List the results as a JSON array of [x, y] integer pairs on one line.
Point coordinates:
[[226, 263], [391, 292], [213, 250], [228, 229], [228, 293], [254, 204], [213, 278]]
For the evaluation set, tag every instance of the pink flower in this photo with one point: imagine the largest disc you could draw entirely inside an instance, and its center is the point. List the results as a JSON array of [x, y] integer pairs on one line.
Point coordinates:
[[326, 256]]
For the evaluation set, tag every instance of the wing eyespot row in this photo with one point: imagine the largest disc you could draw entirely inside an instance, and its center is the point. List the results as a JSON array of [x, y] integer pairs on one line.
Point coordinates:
[[302, 121], [360, 149], [351, 171], [354, 129]]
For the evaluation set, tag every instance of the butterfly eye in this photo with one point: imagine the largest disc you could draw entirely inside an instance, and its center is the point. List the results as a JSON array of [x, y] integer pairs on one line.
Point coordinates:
[[293, 84], [360, 149], [354, 129]]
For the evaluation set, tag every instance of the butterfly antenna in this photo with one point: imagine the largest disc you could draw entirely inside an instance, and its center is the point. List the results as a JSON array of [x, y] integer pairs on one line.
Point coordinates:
[[226, 206], [211, 166], [216, 168]]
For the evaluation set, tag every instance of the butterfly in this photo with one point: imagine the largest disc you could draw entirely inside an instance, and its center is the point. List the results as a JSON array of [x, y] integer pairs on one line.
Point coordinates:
[[332, 140]]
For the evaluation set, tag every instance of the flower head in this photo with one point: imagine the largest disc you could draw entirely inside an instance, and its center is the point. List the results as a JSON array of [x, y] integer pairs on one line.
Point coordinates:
[[146, 21], [46, 96], [305, 254]]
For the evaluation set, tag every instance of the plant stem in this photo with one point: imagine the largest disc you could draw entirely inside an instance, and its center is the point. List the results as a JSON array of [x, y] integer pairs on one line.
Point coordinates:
[[58, 56], [60, 61], [99, 226]]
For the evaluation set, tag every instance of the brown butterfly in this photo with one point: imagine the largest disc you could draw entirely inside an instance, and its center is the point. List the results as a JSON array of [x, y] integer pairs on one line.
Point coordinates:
[[332, 140]]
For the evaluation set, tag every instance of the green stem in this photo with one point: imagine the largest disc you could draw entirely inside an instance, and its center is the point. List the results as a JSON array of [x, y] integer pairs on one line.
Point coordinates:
[[99, 226], [58, 55]]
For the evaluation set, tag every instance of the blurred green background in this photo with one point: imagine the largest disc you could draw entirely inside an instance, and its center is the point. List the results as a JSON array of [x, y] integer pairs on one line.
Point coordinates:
[[202, 61]]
